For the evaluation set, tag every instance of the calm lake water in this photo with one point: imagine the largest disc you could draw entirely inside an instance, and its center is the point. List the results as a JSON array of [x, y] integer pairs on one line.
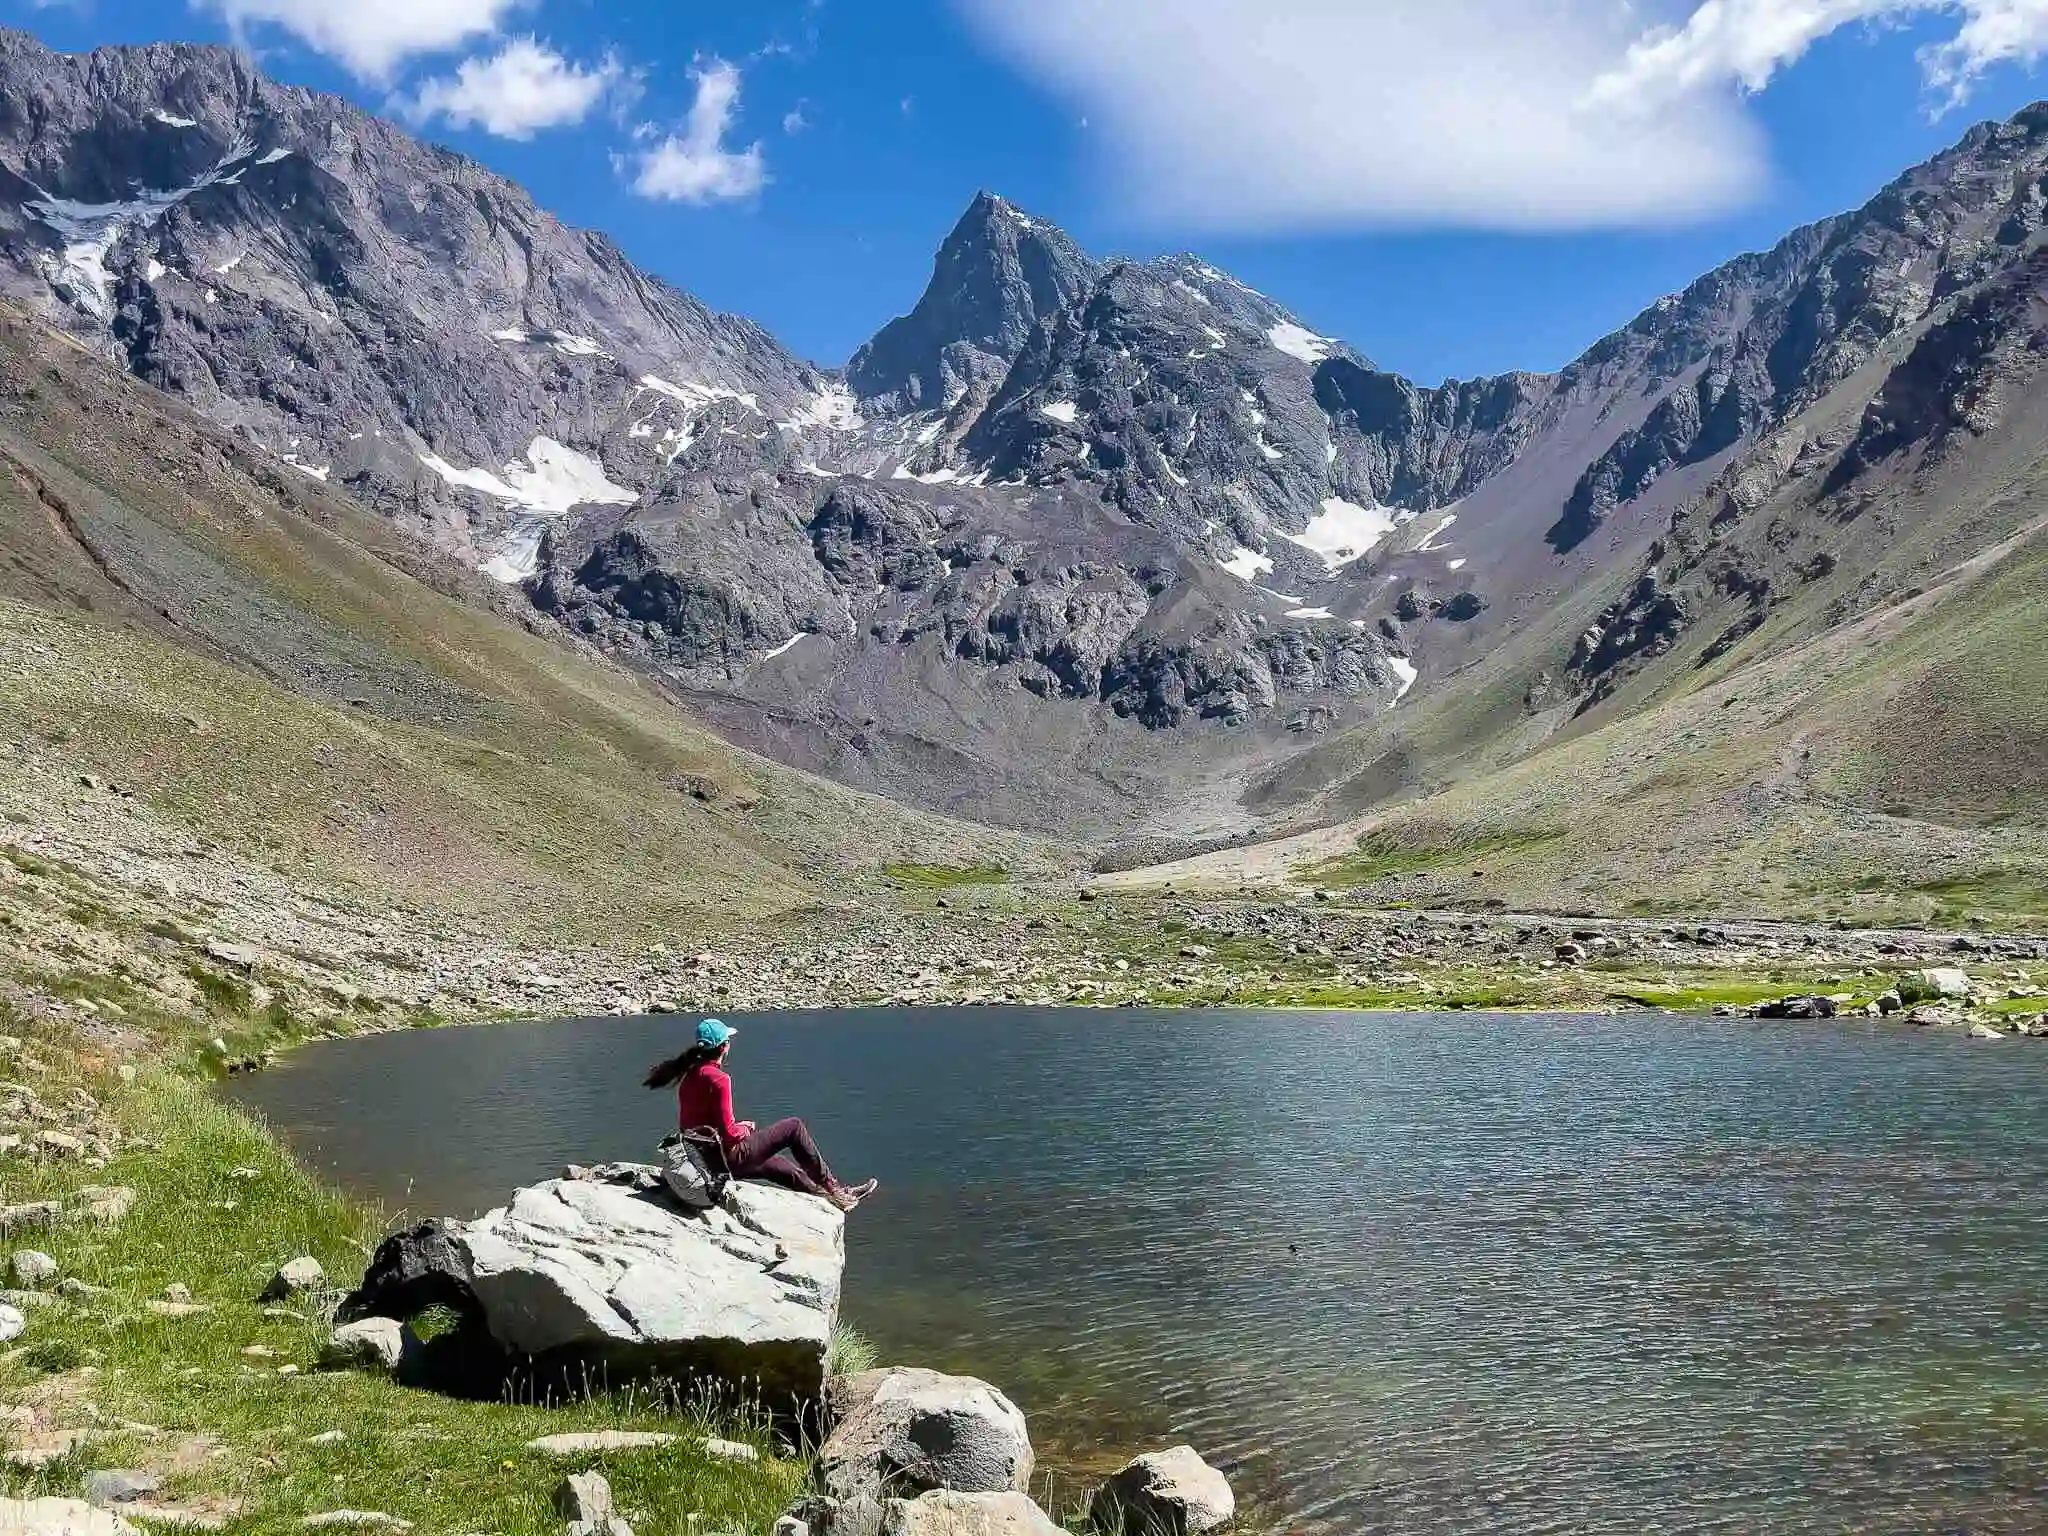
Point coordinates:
[[1400, 1273]]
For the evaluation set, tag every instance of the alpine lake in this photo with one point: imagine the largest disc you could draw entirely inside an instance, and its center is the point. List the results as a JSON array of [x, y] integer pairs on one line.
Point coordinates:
[[1414, 1273]]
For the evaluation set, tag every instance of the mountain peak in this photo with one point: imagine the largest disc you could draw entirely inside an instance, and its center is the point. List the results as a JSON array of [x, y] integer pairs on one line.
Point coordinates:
[[996, 274]]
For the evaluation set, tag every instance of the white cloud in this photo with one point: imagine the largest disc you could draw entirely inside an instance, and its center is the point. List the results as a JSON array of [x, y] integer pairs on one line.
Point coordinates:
[[1239, 115], [695, 166], [370, 37], [1745, 42], [794, 121], [1278, 114], [1994, 32], [523, 87]]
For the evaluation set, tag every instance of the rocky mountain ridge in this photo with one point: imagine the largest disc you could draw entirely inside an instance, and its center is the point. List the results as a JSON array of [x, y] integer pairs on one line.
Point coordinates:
[[1060, 506]]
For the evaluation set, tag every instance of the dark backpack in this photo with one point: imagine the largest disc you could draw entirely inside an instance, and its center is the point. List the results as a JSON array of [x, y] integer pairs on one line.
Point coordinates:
[[694, 1168]]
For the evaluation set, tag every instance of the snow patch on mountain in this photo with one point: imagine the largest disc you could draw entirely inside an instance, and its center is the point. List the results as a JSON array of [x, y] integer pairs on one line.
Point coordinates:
[[1247, 564], [1343, 531], [1299, 341], [561, 341], [832, 408], [172, 120], [1404, 669], [552, 479], [698, 395], [519, 560], [1059, 410]]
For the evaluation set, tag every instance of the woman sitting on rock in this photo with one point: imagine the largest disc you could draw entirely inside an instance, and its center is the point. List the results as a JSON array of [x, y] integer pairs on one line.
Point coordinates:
[[782, 1152]]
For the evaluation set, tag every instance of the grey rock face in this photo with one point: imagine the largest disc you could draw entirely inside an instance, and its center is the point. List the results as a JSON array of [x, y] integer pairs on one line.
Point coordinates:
[[1186, 400], [358, 303], [32, 1269], [606, 1271], [902, 1432], [995, 276], [1165, 1493]]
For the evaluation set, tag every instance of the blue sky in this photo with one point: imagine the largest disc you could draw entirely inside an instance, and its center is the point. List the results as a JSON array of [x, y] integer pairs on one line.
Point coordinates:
[[1455, 189]]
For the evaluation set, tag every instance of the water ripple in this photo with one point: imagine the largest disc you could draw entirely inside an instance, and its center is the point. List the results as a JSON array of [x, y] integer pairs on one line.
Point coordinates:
[[1414, 1274]]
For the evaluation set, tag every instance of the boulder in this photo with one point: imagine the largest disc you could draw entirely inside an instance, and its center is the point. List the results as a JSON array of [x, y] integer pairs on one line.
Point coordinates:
[[299, 1277], [119, 1485], [12, 1322], [1802, 1006], [368, 1344], [902, 1432], [943, 1512], [606, 1273], [60, 1517], [1166, 1493], [1935, 982], [1985, 1032]]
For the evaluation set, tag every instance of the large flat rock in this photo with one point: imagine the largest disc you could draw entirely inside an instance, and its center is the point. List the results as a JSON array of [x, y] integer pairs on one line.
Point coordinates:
[[606, 1271]]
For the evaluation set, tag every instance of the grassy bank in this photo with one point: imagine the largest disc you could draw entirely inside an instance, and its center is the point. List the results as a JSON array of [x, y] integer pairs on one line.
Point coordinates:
[[225, 1404]]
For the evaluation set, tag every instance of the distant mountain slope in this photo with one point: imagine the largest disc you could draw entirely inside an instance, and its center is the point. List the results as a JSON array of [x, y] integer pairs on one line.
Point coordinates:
[[271, 665], [378, 313], [1101, 546]]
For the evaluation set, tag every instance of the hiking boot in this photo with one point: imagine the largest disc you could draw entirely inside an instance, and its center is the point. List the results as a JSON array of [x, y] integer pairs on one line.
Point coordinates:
[[847, 1196]]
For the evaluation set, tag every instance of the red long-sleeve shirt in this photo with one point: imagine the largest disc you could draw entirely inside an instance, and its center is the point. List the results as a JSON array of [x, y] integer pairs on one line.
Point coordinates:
[[704, 1097]]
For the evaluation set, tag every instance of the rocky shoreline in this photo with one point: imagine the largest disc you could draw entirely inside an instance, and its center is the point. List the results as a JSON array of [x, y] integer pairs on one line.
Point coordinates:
[[603, 1276], [106, 910]]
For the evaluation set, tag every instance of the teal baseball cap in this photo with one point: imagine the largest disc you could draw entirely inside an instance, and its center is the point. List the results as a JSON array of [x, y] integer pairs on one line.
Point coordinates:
[[713, 1032]]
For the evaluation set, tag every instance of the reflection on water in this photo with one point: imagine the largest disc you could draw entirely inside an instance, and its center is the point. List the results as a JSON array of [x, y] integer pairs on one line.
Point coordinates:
[[1410, 1273]]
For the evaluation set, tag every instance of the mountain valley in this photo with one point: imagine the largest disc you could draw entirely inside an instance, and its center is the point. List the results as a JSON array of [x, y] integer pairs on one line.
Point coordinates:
[[1126, 555]]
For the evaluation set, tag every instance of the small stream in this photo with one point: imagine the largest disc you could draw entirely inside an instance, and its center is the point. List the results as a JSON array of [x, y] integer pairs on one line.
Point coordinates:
[[1395, 1272]]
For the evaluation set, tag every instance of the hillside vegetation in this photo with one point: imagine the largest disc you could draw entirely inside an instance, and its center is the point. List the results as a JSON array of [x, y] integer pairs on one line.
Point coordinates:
[[292, 677]]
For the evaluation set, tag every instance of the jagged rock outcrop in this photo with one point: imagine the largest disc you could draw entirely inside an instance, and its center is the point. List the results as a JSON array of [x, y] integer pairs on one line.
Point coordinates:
[[606, 1274], [1183, 398], [996, 275]]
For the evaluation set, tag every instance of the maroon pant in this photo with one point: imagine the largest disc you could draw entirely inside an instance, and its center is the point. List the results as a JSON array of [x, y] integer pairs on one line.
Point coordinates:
[[783, 1152]]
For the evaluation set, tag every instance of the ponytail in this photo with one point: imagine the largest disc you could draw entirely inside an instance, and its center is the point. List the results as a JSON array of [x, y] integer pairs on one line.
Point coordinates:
[[666, 1074]]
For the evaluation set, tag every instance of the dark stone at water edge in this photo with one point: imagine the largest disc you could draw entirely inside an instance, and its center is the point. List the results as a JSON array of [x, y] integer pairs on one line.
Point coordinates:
[[1802, 1007]]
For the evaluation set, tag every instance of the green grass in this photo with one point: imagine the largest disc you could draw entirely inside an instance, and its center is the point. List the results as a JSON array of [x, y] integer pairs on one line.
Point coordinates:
[[940, 876], [852, 1351], [1386, 852], [1996, 892], [218, 1208]]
